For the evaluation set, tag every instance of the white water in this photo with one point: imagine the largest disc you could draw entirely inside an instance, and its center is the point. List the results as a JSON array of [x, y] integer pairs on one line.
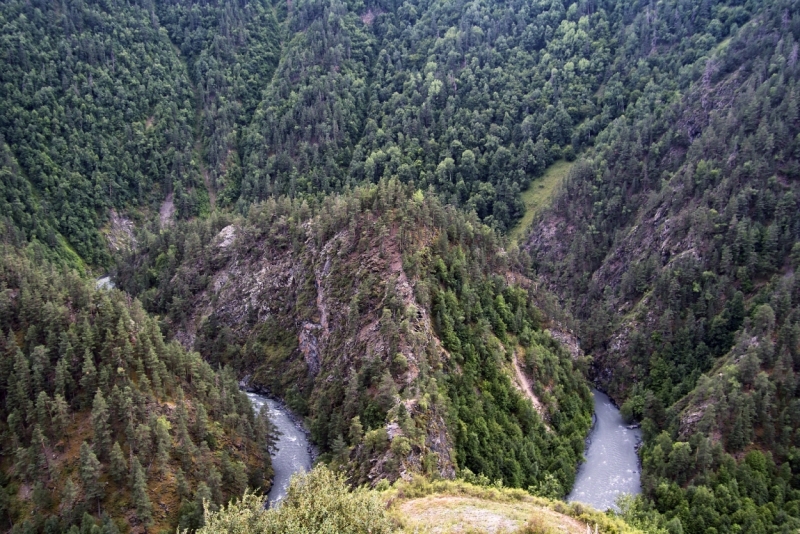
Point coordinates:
[[104, 283], [293, 453], [612, 465]]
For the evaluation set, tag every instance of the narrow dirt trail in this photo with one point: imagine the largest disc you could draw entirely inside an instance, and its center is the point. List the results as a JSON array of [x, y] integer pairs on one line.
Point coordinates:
[[524, 385]]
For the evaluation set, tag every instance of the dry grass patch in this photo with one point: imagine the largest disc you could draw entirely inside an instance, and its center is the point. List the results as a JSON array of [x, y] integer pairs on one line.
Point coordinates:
[[444, 514], [422, 506]]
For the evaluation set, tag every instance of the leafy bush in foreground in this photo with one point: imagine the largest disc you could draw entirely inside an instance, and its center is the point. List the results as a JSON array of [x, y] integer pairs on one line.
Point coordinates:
[[317, 502]]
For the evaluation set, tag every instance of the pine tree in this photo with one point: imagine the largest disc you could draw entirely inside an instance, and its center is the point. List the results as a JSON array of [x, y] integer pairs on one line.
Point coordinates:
[[339, 449], [215, 484], [186, 447], [62, 372], [88, 376], [38, 451], [40, 362], [90, 470], [163, 442], [119, 466], [144, 509], [59, 415], [182, 483], [356, 430], [152, 366], [203, 497], [201, 423], [43, 410], [41, 497], [100, 424], [144, 441], [20, 382], [109, 527], [69, 494]]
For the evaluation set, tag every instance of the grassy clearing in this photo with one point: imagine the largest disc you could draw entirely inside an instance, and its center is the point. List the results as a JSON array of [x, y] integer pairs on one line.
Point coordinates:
[[539, 194], [451, 514], [445, 507], [73, 258], [722, 45]]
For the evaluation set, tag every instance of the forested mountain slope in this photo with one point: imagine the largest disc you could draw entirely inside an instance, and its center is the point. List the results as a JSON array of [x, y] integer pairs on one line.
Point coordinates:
[[108, 106], [677, 242], [231, 50], [387, 318], [333, 180], [104, 426], [97, 111]]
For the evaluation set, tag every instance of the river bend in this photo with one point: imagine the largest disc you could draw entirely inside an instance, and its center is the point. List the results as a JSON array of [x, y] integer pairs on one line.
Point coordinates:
[[293, 452], [612, 464]]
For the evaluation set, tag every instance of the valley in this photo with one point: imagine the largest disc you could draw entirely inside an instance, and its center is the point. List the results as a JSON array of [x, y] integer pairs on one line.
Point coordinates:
[[292, 451], [435, 230], [612, 468]]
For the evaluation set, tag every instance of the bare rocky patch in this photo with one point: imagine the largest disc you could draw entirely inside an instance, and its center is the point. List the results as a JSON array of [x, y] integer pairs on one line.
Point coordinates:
[[120, 233], [167, 210]]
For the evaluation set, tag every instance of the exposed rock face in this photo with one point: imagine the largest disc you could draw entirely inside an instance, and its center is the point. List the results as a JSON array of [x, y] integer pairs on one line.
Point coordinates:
[[568, 339], [120, 233], [167, 210], [309, 346], [226, 236], [342, 304]]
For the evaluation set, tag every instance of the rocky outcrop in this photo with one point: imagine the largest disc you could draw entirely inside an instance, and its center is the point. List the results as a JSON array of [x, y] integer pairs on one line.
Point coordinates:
[[309, 346], [342, 304]]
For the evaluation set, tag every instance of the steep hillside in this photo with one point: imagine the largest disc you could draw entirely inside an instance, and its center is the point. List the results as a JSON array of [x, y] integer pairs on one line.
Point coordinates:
[[195, 104], [103, 422], [676, 243], [96, 109], [231, 50], [313, 193], [386, 318]]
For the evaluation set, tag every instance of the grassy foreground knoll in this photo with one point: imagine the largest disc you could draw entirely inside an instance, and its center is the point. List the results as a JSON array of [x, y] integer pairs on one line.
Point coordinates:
[[320, 502], [451, 506]]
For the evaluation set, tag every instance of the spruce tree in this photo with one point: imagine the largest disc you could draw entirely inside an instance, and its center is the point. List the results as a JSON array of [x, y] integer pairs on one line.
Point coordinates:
[[59, 415], [62, 372], [163, 442], [182, 483], [144, 509], [119, 466], [215, 484], [100, 424], [88, 377], [201, 423], [90, 470], [69, 494]]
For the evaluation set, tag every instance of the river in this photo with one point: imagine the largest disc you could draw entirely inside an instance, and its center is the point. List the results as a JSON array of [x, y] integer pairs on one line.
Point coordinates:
[[612, 465], [611, 468], [293, 451], [104, 282]]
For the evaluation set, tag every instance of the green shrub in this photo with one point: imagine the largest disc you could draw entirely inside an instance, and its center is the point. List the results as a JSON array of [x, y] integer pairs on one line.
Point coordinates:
[[317, 502]]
